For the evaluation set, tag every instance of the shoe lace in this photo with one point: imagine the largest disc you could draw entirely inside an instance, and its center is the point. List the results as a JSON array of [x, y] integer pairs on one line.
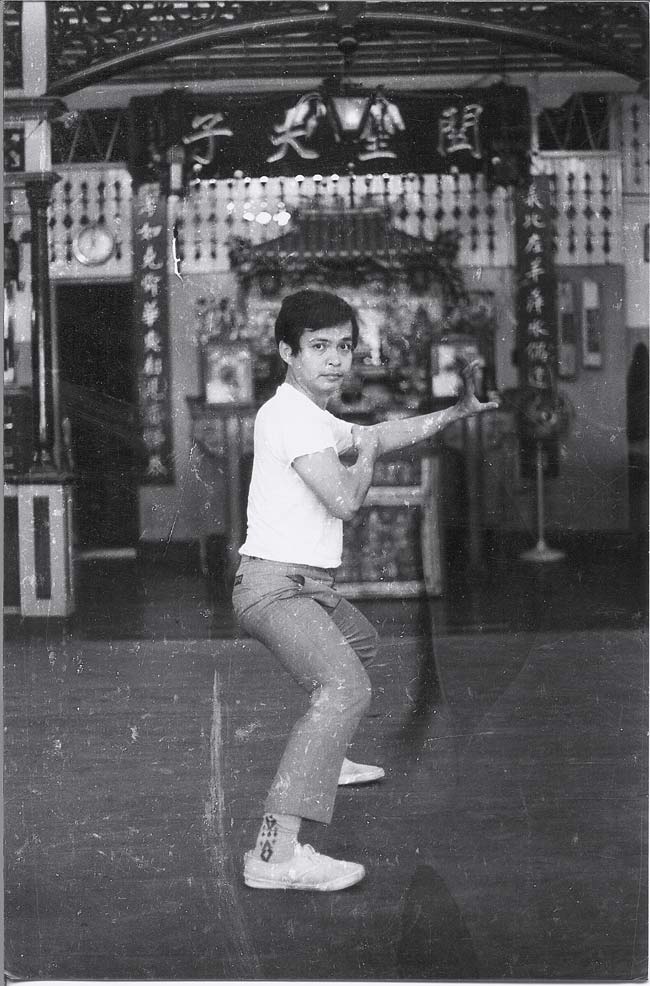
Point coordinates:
[[305, 849]]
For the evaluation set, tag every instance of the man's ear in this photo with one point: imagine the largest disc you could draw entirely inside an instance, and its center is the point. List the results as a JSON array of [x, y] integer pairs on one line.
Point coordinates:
[[285, 352]]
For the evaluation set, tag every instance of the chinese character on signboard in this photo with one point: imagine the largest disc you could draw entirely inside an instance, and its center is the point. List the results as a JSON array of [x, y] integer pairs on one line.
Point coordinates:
[[206, 129], [298, 128], [537, 331], [458, 130], [383, 123], [151, 314]]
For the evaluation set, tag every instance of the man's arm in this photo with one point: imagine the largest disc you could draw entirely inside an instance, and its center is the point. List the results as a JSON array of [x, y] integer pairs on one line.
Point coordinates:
[[341, 488], [392, 435]]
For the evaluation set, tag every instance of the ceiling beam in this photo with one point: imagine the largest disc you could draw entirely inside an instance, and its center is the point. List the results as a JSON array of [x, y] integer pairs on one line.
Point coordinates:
[[535, 40], [178, 46], [365, 18]]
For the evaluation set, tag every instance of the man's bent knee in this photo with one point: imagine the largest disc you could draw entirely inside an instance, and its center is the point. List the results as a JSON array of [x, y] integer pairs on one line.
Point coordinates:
[[348, 697]]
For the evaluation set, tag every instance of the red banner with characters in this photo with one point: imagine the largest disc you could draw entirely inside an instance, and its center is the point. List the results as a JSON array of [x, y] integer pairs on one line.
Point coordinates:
[[537, 329], [151, 322]]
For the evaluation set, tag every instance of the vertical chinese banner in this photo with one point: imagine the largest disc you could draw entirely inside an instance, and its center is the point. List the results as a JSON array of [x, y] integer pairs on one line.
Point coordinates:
[[537, 331], [151, 321]]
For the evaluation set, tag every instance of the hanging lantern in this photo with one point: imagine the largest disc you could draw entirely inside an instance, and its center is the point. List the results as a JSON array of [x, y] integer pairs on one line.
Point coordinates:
[[355, 114]]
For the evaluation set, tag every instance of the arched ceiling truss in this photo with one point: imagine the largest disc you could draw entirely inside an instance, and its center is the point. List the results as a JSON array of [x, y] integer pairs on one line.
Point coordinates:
[[110, 42]]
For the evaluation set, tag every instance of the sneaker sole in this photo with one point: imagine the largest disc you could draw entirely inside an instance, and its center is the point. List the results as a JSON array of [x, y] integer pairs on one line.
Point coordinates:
[[361, 779], [341, 883]]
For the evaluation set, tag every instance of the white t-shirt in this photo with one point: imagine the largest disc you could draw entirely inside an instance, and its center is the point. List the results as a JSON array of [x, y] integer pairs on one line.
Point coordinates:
[[286, 520]]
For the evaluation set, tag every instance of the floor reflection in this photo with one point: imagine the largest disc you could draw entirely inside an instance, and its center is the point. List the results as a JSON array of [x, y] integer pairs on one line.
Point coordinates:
[[507, 841], [600, 583], [429, 688], [434, 941]]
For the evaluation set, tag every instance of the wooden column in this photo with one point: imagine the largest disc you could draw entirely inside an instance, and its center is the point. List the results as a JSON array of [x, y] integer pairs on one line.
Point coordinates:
[[473, 462], [38, 188]]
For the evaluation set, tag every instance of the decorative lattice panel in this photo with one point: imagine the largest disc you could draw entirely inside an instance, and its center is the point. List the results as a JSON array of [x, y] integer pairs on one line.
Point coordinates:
[[84, 196], [84, 34], [635, 145], [587, 192], [587, 195], [260, 208]]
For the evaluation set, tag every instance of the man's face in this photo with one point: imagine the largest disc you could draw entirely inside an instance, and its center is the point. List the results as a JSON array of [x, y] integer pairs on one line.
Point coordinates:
[[320, 366]]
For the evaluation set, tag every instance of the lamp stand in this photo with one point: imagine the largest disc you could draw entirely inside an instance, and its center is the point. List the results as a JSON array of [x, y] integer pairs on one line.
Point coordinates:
[[541, 552]]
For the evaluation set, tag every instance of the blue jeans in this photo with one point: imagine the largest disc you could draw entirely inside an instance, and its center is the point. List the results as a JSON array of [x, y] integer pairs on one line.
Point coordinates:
[[323, 641]]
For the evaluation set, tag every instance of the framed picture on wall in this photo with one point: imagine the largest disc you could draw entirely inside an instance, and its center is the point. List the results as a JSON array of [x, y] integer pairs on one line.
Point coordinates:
[[592, 351], [567, 330], [227, 372], [445, 376]]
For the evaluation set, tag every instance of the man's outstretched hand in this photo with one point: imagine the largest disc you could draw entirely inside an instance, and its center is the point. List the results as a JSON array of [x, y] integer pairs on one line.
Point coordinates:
[[468, 403], [397, 433]]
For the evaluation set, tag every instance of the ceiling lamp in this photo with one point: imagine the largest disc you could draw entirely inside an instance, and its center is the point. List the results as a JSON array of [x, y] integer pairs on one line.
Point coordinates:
[[347, 109], [355, 114], [349, 113]]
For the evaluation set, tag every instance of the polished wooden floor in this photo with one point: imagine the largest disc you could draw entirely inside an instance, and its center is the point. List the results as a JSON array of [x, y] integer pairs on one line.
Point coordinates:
[[507, 842], [599, 583]]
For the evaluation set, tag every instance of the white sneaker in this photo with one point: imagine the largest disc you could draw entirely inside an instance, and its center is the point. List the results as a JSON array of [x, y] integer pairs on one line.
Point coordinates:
[[359, 773], [306, 870]]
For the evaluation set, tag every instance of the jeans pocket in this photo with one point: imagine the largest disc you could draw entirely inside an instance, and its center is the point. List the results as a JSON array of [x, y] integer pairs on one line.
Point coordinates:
[[323, 593], [254, 589]]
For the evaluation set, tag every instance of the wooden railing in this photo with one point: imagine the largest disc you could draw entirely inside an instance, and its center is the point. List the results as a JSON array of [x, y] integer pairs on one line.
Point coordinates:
[[86, 194], [588, 199], [588, 223]]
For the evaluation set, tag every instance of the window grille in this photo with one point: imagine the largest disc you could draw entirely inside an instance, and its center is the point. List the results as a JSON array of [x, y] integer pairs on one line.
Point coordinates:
[[581, 124], [90, 137]]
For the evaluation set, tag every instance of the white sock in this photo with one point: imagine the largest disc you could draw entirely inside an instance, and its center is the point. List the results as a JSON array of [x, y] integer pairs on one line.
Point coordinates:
[[277, 837]]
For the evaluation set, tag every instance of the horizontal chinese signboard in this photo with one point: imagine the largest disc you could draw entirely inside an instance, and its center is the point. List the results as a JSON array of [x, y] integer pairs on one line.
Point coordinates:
[[150, 316], [320, 133]]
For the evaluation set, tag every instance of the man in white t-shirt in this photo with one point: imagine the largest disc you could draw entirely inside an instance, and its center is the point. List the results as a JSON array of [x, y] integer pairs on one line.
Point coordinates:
[[284, 595]]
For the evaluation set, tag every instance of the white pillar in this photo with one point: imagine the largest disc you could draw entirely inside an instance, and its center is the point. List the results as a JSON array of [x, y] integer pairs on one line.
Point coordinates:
[[34, 38], [38, 156], [45, 554]]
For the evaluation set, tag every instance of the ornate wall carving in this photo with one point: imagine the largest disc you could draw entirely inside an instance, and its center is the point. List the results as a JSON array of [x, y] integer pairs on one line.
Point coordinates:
[[84, 34], [396, 38], [12, 42]]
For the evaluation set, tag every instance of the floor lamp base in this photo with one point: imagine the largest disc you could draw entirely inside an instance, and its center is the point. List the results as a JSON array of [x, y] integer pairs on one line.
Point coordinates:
[[542, 553]]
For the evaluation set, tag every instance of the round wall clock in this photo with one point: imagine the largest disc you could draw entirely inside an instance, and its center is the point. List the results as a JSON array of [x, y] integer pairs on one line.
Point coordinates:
[[94, 245]]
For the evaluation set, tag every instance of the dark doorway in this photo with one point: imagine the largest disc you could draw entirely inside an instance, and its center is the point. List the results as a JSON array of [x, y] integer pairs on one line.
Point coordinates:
[[98, 396], [638, 392], [638, 388]]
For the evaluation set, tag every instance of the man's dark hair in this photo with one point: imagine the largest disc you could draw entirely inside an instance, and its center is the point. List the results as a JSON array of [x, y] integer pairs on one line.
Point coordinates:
[[310, 309]]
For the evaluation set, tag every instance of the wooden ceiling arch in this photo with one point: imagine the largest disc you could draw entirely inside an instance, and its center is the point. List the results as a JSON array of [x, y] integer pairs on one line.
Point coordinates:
[[120, 41]]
